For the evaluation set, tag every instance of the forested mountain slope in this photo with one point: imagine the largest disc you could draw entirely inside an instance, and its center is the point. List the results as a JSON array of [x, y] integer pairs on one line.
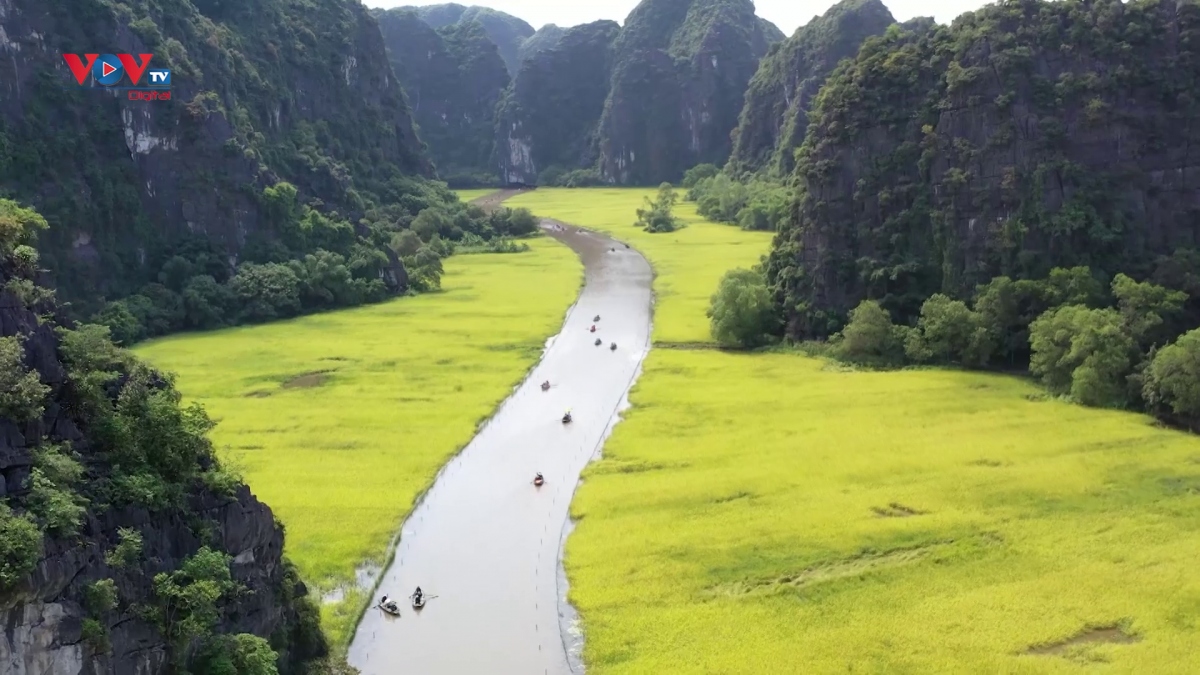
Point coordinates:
[[505, 30], [680, 70], [453, 77], [262, 92], [1027, 135], [548, 119], [775, 116]]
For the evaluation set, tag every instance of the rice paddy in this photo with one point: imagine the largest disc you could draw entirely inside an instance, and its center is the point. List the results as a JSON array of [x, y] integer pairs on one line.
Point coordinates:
[[472, 195], [339, 421], [769, 513], [688, 263]]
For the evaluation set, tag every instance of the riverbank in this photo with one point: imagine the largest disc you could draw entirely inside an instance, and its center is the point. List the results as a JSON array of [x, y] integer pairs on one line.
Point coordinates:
[[688, 263], [484, 541], [340, 420], [772, 512]]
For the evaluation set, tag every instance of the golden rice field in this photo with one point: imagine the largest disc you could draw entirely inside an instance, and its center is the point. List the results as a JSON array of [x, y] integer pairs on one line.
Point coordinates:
[[770, 514], [340, 420], [688, 263], [471, 195]]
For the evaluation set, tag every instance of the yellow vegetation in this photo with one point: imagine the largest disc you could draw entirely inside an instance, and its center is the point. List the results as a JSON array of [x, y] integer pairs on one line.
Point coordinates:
[[340, 420], [768, 513], [472, 195], [688, 263]]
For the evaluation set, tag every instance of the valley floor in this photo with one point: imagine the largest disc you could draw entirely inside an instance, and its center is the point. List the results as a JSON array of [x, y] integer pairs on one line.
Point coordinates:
[[761, 513], [339, 421]]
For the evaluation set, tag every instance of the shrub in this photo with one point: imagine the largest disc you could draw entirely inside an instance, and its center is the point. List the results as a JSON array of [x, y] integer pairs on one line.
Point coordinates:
[[100, 597], [127, 551], [22, 394], [742, 313], [1172, 381], [95, 635], [406, 243], [20, 545], [657, 214]]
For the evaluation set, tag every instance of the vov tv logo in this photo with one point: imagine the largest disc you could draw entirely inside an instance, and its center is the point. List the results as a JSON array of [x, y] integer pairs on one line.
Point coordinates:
[[121, 72]]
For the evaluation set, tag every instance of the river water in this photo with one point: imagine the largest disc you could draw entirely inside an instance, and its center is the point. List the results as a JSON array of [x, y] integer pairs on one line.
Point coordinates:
[[484, 542]]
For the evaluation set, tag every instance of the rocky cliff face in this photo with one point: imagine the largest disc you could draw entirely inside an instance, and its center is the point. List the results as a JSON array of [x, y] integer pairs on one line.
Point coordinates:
[[1027, 136], [546, 37], [775, 116], [505, 30], [453, 77], [50, 568], [549, 116], [261, 93], [681, 69]]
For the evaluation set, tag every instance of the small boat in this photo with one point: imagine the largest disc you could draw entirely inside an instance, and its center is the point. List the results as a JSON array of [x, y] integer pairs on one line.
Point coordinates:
[[613, 346], [390, 607], [593, 329], [598, 341], [539, 480], [597, 318], [566, 418], [546, 385], [418, 603]]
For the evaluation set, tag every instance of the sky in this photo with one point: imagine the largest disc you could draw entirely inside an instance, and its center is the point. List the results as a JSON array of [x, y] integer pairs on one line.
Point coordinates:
[[787, 14]]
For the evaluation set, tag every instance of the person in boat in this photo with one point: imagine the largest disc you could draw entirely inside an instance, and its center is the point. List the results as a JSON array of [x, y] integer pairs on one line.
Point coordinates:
[[546, 384], [417, 595], [613, 346], [383, 600], [538, 478], [597, 318], [593, 328]]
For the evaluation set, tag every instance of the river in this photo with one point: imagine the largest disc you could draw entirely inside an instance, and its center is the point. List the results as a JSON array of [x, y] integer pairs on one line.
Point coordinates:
[[484, 543]]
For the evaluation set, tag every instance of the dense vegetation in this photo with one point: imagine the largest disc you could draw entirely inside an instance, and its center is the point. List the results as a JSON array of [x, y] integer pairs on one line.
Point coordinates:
[[506, 31], [1027, 136], [774, 118], [453, 77], [340, 420], [262, 93], [108, 434], [317, 263]]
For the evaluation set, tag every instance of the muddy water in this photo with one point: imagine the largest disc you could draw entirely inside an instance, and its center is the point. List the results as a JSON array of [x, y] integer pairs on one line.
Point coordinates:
[[484, 543]]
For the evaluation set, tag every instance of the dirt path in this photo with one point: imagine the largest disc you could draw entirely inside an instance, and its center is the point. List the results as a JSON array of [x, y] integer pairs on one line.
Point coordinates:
[[484, 543]]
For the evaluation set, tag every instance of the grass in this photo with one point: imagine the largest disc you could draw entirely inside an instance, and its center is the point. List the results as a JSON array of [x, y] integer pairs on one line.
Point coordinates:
[[688, 263], [471, 195], [341, 456], [765, 513]]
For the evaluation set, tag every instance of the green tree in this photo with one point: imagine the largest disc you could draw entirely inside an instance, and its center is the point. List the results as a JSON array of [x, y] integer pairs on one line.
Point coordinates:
[[424, 270], [1146, 308], [266, 292], [698, 173], [206, 303], [1074, 286], [944, 333], [22, 394], [188, 599], [406, 243], [18, 225], [432, 221], [742, 313], [657, 215], [1172, 381], [1082, 352], [121, 322], [870, 337]]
